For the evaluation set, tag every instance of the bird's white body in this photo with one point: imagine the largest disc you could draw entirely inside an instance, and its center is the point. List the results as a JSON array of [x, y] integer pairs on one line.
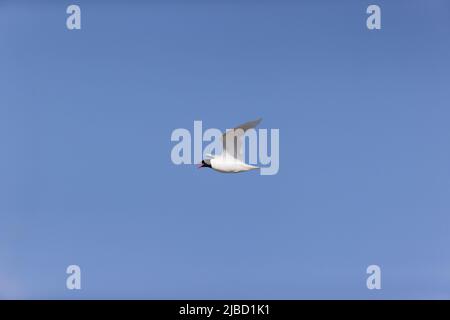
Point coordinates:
[[230, 165], [231, 160]]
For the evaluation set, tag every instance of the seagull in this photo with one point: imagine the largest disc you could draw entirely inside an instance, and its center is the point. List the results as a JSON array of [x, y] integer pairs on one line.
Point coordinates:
[[231, 160]]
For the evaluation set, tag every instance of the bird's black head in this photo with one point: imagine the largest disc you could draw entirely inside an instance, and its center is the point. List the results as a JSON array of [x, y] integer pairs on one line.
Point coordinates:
[[205, 164]]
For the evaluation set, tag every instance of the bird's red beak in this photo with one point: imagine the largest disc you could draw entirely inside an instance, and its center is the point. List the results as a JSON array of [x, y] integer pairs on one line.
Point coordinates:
[[200, 165]]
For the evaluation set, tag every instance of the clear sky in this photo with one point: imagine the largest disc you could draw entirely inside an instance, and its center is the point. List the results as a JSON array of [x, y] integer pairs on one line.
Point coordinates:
[[85, 170]]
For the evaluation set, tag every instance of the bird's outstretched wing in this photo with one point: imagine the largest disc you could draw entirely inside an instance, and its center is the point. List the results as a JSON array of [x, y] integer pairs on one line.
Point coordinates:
[[235, 137]]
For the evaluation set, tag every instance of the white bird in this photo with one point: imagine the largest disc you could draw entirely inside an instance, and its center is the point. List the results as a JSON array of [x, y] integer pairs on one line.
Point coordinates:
[[231, 160]]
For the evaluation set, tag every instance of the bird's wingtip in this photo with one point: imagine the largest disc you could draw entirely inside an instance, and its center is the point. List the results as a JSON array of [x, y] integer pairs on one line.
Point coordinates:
[[257, 121]]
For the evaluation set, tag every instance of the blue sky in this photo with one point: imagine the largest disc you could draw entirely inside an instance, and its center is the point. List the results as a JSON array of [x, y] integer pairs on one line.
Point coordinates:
[[85, 171]]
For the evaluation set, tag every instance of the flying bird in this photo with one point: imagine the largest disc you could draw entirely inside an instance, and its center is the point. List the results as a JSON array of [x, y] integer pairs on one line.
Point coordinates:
[[231, 160]]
